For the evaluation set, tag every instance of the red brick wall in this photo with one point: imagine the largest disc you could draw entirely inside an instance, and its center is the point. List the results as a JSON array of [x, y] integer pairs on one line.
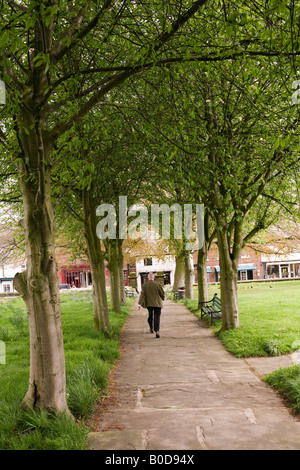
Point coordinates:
[[249, 256]]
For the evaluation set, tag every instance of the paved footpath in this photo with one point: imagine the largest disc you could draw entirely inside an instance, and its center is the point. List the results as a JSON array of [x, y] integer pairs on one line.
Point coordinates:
[[184, 391]]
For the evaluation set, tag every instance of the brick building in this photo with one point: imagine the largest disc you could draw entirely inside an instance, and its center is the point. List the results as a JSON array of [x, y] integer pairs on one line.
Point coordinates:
[[77, 272], [250, 266]]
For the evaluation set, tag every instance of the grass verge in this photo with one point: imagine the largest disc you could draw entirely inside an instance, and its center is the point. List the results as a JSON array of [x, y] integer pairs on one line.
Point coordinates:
[[90, 355], [287, 381], [269, 315]]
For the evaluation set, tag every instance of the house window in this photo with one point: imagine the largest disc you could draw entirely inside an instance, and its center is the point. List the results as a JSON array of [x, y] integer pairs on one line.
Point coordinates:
[[272, 270], [243, 275], [284, 271], [148, 262], [6, 288], [167, 277]]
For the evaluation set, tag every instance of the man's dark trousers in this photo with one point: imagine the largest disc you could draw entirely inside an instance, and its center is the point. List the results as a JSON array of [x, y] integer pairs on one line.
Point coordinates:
[[154, 312]]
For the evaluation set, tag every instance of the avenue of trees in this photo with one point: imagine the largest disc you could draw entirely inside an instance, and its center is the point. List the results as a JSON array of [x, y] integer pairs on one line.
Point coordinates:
[[162, 101]]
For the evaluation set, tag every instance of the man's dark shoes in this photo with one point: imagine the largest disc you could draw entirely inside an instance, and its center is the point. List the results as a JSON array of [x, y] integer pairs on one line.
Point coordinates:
[[157, 335], [151, 331]]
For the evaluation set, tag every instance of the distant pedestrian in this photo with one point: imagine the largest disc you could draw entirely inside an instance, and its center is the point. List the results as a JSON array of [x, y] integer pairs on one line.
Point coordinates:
[[151, 297]]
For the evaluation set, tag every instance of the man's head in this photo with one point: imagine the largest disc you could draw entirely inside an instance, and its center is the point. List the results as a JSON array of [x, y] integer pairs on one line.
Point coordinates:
[[151, 276]]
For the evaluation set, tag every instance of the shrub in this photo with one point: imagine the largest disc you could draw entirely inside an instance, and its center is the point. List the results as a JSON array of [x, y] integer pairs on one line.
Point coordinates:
[[271, 348]]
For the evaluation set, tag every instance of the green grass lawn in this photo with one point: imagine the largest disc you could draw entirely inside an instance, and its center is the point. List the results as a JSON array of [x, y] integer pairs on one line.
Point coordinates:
[[90, 355], [269, 315]]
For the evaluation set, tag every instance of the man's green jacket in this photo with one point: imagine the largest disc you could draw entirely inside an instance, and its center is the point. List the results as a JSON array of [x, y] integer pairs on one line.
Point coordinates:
[[152, 295]]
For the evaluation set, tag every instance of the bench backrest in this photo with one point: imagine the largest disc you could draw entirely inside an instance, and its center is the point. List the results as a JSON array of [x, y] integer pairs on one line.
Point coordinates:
[[217, 302]]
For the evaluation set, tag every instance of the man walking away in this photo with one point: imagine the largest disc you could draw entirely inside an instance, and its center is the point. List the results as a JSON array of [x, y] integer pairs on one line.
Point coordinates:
[[151, 297]]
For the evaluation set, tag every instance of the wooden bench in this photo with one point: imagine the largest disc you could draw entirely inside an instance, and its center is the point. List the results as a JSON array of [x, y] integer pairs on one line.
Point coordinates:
[[129, 293], [179, 294], [211, 307]]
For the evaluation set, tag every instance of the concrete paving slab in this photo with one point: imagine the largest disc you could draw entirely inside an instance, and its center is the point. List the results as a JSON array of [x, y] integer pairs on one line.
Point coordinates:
[[184, 391], [265, 365]]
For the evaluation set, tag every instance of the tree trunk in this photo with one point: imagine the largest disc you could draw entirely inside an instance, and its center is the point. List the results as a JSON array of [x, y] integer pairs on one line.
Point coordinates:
[[96, 259], [121, 273], [38, 285], [228, 284], [188, 276], [179, 272], [114, 274], [100, 305], [202, 273]]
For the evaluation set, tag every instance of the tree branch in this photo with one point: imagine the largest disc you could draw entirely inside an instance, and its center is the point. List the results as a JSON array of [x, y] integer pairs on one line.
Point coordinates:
[[74, 32], [278, 201], [119, 78]]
